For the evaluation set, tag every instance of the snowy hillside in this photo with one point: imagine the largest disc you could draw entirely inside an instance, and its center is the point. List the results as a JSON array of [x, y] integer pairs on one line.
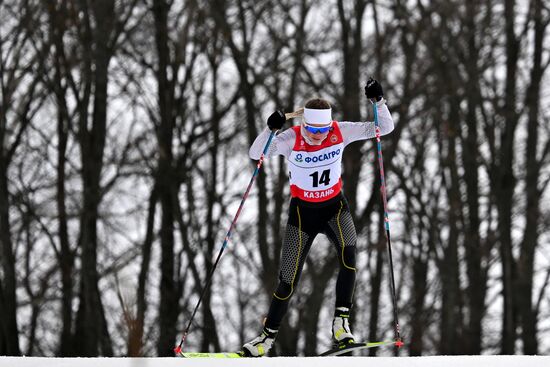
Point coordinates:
[[460, 361]]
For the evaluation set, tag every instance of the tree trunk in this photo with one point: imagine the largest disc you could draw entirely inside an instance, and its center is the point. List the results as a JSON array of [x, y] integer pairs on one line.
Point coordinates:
[[350, 100], [168, 307], [418, 312], [65, 254], [450, 300], [8, 321], [91, 330], [135, 339], [477, 282], [376, 282], [506, 183], [210, 333], [526, 260], [314, 304]]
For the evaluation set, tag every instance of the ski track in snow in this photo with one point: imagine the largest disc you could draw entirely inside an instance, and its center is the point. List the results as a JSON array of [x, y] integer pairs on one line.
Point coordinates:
[[434, 361]]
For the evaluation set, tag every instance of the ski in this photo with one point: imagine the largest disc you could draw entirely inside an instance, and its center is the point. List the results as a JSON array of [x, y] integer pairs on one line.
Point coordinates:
[[346, 348], [213, 355]]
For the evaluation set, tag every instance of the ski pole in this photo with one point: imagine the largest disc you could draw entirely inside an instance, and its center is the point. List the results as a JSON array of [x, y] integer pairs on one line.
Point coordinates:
[[398, 341], [177, 349]]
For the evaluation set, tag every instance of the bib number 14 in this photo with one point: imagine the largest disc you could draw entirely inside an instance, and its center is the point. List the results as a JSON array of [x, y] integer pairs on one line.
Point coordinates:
[[324, 179]]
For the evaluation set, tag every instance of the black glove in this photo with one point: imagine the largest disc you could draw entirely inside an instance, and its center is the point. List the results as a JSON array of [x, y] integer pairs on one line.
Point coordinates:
[[373, 90], [276, 120]]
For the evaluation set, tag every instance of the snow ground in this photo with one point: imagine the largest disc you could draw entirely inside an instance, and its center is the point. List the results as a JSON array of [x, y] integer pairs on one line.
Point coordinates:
[[436, 361]]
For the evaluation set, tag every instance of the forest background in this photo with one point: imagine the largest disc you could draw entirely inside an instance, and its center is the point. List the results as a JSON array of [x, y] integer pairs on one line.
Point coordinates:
[[124, 132]]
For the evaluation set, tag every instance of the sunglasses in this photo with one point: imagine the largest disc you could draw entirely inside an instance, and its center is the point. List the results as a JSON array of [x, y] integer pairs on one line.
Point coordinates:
[[317, 130]]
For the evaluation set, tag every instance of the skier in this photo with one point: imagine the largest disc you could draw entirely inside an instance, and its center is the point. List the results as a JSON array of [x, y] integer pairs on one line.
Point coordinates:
[[314, 152]]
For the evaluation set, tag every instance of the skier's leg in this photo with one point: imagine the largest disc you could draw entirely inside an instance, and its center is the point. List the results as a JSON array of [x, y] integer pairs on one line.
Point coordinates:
[[296, 245], [341, 231]]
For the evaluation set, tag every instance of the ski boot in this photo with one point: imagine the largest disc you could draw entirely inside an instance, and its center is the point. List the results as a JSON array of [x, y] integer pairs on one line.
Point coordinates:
[[261, 345], [341, 331]]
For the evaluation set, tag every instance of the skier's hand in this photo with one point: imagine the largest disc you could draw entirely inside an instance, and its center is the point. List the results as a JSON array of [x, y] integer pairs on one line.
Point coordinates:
[[373, 90], [276, 120]]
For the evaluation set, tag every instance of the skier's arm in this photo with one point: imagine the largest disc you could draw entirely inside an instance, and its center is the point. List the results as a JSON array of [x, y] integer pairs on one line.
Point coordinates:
[[280, 145], [353, 131]]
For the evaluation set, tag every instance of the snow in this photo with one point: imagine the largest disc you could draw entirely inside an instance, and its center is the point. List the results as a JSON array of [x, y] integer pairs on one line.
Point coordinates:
[[435, 361]]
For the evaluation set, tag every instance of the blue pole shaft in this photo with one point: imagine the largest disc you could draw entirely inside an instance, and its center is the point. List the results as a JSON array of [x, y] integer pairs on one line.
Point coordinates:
[[386, 223], [177, 349]]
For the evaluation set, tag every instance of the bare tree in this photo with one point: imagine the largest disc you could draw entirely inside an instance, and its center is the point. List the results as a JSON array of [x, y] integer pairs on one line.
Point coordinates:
[[98, 27], [20, 60]]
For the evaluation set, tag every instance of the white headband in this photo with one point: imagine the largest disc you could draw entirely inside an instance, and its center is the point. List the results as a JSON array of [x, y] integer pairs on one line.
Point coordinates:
[[313, 116]]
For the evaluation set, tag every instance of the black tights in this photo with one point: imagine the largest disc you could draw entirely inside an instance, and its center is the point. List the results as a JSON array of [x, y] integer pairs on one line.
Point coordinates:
[[305, 221]]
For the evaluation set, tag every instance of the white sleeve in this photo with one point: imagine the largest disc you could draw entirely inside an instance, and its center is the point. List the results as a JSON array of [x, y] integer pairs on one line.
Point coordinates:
[[353, 131], [280, 145]]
